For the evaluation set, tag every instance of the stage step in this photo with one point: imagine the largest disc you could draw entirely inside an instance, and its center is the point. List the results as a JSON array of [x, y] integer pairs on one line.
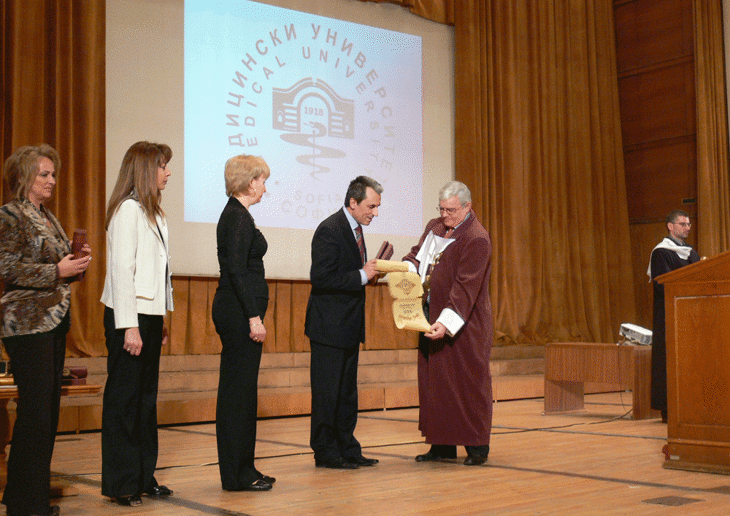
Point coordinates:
[[386, 379]]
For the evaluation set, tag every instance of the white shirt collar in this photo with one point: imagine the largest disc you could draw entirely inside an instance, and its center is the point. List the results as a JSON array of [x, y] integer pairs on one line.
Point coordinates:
[[353, 223]]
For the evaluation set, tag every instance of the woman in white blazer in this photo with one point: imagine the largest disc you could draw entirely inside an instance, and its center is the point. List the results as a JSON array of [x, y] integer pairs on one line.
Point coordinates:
[[137, 294]]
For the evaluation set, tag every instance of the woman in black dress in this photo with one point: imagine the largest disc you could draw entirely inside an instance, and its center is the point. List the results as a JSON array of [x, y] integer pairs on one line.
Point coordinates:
[[238, 310]]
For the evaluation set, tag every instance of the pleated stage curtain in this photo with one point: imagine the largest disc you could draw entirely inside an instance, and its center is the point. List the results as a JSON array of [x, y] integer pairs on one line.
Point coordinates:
[[538, 141], [713, 181], [554, 190], [53, 84]]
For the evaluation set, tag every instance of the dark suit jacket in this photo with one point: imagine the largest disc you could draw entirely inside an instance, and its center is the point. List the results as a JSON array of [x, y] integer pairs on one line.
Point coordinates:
[[336, 308]]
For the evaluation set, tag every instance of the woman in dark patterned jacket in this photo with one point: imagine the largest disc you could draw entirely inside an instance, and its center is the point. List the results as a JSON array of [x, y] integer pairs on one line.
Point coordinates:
[[37, 266]]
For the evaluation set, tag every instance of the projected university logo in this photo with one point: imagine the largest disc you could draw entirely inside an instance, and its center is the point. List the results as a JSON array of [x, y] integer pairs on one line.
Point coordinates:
[[321, 100], [313, 110], [316, 123], [290, 110]]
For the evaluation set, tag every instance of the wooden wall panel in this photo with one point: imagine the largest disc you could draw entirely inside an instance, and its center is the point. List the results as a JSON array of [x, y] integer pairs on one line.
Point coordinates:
[[655, 60], [192, 331], [669, 168], [658, 104], [641, 32]]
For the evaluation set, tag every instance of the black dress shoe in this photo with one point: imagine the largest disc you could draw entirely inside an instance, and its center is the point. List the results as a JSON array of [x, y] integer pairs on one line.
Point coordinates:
[[438, 452], [158, 491], [476, 455], [338, 463], [427, 457], [430, 455], [362, 461], [475, 460], [128, 501]]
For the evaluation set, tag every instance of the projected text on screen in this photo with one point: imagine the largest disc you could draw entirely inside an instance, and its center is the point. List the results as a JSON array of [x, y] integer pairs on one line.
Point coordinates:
[[321, 100]]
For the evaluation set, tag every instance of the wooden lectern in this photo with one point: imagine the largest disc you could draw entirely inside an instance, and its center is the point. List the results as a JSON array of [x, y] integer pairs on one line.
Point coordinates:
[[697, 304]]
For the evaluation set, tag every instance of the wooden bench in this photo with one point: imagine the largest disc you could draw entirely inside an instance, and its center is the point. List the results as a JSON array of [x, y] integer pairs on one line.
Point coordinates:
[[569, 365]]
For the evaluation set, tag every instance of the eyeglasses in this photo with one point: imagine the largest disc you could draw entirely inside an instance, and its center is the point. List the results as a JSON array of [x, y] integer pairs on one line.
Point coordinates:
[[448, 211], [683, 224]]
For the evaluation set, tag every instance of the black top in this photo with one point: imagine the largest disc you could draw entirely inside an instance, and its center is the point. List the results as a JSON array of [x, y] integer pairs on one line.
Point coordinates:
[[241, 249]]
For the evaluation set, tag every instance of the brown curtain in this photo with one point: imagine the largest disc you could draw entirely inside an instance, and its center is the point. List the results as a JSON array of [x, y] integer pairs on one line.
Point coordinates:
[[538, 141], [713, 184], [554, 191], [441, 11], [52, 76]]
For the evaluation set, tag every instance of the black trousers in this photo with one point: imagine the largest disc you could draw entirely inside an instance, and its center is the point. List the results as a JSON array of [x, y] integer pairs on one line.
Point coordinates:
[[237, 403], [37, 365], [333, 375], [129, 415]]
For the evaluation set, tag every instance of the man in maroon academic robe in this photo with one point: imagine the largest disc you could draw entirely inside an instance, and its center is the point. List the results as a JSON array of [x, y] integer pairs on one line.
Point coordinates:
[[453, 258]]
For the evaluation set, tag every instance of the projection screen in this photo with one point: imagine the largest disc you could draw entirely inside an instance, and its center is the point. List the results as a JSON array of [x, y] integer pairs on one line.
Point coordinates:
[[324, 90]]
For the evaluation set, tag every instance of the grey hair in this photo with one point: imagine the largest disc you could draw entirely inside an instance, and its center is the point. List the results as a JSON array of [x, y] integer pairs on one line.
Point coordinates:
[[455, 188]]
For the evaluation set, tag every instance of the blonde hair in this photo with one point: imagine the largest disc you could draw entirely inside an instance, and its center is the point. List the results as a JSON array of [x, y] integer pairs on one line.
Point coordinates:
[[21, 168], [241, 170], [138, 174]]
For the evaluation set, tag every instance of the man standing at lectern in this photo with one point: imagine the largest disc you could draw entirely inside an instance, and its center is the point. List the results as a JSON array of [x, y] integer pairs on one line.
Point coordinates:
[[453, 259], [335, 325], [670, 254]]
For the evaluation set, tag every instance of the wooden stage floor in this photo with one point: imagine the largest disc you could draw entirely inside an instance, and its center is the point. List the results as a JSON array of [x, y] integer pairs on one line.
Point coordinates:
[[590, 463]]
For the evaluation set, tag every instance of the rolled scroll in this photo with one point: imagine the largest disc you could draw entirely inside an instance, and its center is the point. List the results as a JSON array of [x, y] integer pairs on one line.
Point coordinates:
[[386, 266]]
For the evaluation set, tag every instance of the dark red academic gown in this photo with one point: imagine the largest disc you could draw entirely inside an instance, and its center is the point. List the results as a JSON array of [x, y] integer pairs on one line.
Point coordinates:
[[454, 381]]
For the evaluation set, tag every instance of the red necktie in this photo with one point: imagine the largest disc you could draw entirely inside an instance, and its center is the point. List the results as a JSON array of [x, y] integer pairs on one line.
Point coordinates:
[[449, 232], [360, 242]]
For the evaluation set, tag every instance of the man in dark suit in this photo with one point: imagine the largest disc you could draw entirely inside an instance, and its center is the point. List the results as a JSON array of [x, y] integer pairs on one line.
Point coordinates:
[[335, 325]]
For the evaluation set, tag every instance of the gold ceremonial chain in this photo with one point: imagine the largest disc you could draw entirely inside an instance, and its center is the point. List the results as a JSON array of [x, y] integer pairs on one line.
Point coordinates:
[[427, 281]]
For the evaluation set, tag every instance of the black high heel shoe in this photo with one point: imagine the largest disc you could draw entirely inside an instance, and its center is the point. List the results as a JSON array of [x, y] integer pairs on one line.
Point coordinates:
[[159, 491], [53, 510], [257, 485], [128, 501], [265, 478]]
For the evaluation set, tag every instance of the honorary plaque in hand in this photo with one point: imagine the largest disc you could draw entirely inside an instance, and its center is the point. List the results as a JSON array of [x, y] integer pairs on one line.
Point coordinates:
[[385, 252], [78, 243], [407, 292]]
